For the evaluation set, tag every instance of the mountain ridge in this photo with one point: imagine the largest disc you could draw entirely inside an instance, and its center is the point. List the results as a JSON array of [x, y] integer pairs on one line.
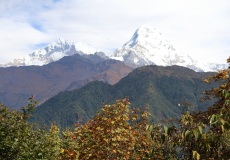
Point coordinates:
[[17, 84]]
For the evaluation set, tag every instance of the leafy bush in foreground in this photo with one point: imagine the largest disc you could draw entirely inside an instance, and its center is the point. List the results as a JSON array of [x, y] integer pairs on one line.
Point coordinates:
[[20, 140], [115, 132]]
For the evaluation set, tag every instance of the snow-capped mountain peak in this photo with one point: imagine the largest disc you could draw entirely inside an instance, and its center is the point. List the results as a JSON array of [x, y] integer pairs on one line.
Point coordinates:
[[144, 35], [64, 46], [148, 46], [52, 52]]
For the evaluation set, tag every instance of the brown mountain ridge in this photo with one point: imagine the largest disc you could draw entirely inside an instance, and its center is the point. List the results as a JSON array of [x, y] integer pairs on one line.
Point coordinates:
[[17, 84]]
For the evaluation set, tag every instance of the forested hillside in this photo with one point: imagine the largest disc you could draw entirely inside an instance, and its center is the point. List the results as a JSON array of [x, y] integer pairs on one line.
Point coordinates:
[[161, 90]]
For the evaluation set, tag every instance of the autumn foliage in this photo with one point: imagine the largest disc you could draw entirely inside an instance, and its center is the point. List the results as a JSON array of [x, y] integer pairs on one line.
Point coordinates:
[[116, 131]]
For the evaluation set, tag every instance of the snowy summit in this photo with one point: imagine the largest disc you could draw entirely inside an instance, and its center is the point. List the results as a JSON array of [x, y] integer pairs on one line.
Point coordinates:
[[148, 46], [51, 53]]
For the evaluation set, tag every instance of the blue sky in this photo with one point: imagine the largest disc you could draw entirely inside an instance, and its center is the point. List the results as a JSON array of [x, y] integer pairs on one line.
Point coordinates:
[[200, 28]]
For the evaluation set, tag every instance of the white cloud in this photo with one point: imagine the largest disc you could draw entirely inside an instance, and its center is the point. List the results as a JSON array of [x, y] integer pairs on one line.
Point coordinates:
[[198, 27], [17, 39]]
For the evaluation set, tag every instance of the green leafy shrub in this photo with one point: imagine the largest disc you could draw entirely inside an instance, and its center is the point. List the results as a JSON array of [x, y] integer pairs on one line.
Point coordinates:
[[20, 140]]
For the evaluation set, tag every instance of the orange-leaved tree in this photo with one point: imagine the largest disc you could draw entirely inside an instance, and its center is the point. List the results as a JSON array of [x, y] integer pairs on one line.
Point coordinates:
[[116, 132]]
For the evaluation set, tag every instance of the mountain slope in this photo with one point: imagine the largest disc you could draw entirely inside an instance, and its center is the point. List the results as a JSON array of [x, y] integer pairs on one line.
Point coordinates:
[[160, 89], [17, 84]]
